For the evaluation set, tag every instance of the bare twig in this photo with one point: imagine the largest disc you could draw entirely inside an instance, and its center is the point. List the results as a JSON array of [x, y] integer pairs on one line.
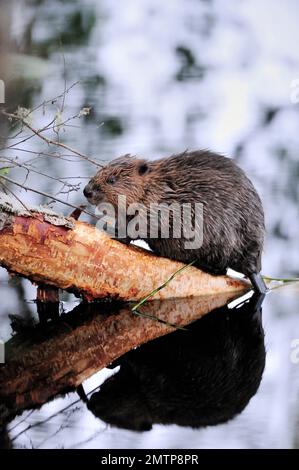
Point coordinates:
[[14, 195], [159, 320], [57, 413], [27, 168], [53, 100], [42, 193], [38, 133], [151, 294]]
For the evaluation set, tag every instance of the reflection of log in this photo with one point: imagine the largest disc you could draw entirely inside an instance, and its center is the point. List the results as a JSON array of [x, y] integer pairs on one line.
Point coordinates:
[[52, 359], [77, 257], [201, 378]]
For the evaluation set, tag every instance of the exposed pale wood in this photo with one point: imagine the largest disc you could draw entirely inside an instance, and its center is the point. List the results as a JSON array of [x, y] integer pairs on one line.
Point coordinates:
[[80, 258]]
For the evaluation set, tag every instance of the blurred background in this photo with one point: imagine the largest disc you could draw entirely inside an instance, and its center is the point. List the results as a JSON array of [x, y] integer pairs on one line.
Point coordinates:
[[161, 77]]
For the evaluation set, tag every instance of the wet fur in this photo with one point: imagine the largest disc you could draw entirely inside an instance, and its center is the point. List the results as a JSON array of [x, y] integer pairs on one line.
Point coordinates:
[[233, 231]]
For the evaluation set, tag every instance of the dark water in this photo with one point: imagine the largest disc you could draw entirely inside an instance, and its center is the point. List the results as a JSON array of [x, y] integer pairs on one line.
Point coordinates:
[[161, 78]]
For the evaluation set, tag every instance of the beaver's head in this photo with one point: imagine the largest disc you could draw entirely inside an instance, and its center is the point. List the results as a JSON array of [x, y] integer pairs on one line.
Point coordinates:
[[125, 176]]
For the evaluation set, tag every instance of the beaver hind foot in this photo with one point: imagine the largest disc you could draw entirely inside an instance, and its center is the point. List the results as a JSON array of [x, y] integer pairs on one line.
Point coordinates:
[[258, 283]]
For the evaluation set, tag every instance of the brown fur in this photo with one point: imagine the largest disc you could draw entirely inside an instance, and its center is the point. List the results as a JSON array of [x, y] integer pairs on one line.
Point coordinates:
[[233, 230]]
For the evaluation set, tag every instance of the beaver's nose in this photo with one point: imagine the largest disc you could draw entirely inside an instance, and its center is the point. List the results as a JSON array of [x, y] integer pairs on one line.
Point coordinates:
[[87, 191]]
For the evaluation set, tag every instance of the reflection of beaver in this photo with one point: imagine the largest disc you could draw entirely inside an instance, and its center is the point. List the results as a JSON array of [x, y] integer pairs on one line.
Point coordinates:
[[233, 219], [199, 377]]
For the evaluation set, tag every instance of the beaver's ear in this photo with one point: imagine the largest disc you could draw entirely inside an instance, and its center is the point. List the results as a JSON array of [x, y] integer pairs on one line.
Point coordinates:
[[143, 168]]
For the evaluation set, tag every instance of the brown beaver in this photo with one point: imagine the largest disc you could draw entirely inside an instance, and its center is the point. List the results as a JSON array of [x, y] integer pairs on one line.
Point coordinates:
[[233, 218]]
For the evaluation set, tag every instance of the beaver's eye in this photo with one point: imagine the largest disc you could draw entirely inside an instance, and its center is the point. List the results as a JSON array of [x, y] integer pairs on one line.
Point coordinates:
[[143, 168], [111, 180]]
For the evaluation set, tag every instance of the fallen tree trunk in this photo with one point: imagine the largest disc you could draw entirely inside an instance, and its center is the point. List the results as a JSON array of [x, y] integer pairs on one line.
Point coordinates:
[[52, 250], [53, 359]]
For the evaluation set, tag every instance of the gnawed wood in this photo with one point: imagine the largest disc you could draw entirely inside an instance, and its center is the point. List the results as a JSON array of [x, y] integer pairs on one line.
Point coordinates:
[[72, 255], [54, 358]]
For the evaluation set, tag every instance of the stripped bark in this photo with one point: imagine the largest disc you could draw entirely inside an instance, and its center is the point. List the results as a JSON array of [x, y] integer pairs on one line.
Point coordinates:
[[52, 250]]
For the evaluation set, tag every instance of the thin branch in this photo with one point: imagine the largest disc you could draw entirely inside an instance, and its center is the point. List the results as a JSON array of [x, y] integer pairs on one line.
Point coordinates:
[[159, 320], [50, 141], [53, 100], [64, 76], [71, 187], [281, 279], [49, 196], [151, 294], [57, 413], [14, 195], [42, 154]]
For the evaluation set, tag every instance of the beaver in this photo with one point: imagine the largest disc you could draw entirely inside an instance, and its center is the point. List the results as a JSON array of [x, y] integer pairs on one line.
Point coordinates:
[[232, 221]]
